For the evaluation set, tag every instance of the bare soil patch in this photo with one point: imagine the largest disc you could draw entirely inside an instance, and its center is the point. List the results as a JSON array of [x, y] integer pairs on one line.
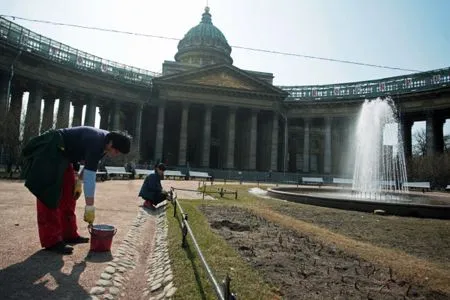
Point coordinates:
[[303, 268], [428, 239]]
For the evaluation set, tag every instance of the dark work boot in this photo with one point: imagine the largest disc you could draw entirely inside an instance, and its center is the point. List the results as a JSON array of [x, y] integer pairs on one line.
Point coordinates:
[[77, 240], [60, 248], [148, 204]]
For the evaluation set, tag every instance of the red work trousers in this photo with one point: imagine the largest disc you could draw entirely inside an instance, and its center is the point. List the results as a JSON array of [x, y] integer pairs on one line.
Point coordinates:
[[59, 224]]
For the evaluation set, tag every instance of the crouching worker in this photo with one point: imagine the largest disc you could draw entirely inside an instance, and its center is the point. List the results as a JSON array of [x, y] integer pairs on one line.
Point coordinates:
[[50, 168], [151, 190]]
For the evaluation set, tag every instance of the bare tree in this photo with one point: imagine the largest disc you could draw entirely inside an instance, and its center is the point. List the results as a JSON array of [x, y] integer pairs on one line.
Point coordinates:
[[420, 146], [12, 128]]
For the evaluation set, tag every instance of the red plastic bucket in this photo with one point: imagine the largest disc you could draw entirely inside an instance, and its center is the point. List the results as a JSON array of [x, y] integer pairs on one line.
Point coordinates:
[[101, 237]]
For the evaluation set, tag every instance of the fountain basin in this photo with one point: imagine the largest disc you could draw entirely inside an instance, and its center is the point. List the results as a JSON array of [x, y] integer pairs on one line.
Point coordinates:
[[407, 205]]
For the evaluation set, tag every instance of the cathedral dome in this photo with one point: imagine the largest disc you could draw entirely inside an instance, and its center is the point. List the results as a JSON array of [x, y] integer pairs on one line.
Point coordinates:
[[204, 44]]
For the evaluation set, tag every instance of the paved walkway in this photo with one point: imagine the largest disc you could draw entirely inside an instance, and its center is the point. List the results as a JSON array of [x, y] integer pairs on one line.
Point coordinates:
[[138, 250]]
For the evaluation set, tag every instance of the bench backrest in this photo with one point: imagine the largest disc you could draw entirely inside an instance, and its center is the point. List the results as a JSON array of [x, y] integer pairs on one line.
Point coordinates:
[[417, 184], [387, 182], [342, 181], [110, 169], [198, 174], [173, 173], [312, 179], [144, 171]]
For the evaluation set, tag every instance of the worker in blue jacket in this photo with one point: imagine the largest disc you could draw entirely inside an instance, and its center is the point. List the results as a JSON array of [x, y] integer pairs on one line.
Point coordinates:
[[51, 165], [151, 190]]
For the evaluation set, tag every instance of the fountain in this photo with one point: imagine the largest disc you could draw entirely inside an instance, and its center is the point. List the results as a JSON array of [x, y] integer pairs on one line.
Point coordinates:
[[379, 171], [379, 158]]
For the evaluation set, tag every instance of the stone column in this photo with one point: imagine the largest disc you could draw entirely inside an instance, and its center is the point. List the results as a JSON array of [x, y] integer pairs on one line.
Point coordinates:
[[206, 136], [62, 119], [439, 134], [432, 133], [274, 149], [159, 134], [231, 138], [47, 117], [33, 115], [89, 117], [327, 152], [183, 135], [77, 114], [4, 83], [406, 126], [104, 117], [115, 116], [307, 126], [253, 137], [137, 129], [14, 117]]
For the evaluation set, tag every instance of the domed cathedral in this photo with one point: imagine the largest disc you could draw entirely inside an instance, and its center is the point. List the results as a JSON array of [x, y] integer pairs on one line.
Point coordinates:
[[207, 113]]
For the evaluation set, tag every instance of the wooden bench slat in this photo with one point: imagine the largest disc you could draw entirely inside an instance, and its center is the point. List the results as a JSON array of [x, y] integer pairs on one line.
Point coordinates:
[[424, 185], [342, 181], [199, 174]]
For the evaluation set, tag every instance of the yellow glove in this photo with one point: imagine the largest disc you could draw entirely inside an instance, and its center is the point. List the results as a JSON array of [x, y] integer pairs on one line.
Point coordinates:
[[89, 214], [77, 188]]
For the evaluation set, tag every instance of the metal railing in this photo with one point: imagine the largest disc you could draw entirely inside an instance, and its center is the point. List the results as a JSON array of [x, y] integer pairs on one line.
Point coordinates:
[[222, 291], [20, 37], [418, 82]]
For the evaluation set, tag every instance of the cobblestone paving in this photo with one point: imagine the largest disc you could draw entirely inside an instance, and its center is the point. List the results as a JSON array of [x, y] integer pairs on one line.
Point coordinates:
[[159, 277], [116, 275]]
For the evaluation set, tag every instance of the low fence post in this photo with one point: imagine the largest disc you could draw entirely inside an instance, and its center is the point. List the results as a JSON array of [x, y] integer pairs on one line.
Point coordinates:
[[184, 230], [227, 295], [204, 190], [175, 208]]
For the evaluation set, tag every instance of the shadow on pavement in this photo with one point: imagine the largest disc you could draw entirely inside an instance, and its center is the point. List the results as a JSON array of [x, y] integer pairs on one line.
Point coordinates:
[[99, 257], [40, 277]]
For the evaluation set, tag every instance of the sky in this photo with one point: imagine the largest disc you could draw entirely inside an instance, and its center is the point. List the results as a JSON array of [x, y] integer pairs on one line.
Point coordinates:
[[408, 34]]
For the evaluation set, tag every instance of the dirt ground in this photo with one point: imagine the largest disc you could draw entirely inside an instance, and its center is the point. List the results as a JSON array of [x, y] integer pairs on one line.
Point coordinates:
[[28, 272], [303, 268]]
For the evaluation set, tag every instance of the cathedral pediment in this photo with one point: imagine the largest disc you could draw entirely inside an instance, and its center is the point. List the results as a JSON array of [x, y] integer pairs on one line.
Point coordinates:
[[223, 79], [219, 76]]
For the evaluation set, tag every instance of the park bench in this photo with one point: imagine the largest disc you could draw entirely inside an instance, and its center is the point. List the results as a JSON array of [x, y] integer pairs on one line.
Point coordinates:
[[312, 180], [173, 174], [143, 172], [342, 181], [417, 185], [99, 174], [120, 171], [387, 183], [200, 175]]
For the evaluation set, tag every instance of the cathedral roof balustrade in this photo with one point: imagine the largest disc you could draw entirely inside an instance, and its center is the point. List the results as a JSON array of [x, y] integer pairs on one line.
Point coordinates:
[[412, 83], [24, 39]]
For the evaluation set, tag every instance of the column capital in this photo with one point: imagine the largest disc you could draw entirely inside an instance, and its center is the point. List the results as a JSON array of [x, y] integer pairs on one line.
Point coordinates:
[[185, 104]]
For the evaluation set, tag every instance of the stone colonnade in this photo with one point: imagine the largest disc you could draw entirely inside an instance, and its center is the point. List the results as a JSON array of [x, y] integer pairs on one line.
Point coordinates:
[[205, 135], [115, 115], [208, 136], [325, 145]]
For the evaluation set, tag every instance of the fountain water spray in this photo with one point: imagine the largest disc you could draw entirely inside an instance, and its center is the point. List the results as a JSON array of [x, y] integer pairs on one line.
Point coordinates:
[[380, 165]]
